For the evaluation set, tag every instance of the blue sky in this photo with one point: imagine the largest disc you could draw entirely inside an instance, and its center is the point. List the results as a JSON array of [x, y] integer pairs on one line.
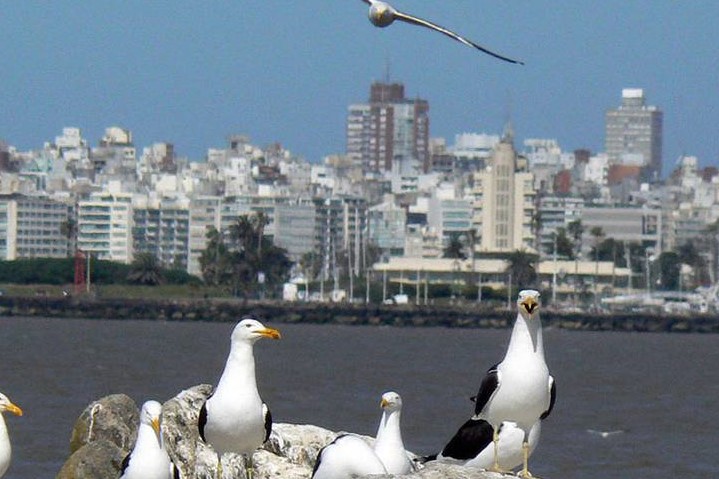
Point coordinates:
[[192, 73]]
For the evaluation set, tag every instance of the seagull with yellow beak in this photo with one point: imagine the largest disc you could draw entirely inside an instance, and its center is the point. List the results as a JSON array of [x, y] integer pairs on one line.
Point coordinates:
[[148, 459], [5, 448], [234, 419], [519, 389]]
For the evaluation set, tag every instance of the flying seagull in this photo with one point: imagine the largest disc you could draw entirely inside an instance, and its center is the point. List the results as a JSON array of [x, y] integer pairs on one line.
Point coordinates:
[[518, 389], [605, 434], [234, 419], [382, 14]]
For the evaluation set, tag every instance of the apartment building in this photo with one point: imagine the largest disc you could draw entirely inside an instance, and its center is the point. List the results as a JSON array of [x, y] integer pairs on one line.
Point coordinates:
[[33, 227], [504, 205], [634, 133], [161, 227], [390, 132], [104, 226]]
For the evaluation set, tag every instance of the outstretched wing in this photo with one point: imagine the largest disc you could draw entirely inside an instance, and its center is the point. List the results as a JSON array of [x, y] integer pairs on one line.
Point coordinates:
[[425, 23], [471, 438], [487, 388]]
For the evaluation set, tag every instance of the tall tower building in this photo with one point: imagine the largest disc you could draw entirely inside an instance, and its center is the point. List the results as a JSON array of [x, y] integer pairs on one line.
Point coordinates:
[[390, 133], [504, 202], [634, 134]]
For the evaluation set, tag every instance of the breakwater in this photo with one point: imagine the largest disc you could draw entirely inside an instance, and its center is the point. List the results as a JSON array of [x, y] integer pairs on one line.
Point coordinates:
[[459, 316]]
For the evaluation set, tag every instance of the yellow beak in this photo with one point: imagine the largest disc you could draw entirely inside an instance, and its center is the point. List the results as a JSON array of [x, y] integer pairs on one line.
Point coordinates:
[[530, 304], [14, 409], [270, 333], [156, 425]]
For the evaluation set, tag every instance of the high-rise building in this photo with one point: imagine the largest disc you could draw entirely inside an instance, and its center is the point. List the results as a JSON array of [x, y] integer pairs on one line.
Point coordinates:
[[504, 202], [104, 226], [33, 227], [161, 227], [390, 133], [634, 134]]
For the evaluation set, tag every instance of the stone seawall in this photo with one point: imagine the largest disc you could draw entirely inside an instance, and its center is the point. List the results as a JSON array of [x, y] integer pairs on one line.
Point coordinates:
[[467, 316]]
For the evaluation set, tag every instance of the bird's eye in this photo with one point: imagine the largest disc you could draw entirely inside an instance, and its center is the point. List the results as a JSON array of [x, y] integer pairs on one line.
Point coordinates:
[[248, 326]]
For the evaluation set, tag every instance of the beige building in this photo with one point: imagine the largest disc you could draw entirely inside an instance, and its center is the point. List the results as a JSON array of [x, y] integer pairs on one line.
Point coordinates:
[[504, 203]]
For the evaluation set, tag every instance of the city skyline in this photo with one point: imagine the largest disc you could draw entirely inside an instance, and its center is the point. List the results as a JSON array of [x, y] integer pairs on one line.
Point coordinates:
[[192, 75]]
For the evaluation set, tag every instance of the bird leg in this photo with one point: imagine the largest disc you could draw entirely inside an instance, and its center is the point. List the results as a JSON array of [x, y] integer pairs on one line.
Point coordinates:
[[249, 466], [525, 454], [219, 466], [495, 439]]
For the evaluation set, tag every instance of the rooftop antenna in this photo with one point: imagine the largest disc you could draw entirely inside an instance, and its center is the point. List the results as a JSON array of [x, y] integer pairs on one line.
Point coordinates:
[[387, 66], [508, 128]]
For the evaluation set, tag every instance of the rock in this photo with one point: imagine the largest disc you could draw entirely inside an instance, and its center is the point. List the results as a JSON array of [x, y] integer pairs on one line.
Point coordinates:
[[290, 453], [192, 456], [114, 418], [98, 459]]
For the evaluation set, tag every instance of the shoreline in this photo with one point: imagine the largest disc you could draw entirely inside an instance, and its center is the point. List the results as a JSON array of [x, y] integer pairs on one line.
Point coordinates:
[[460, 316]]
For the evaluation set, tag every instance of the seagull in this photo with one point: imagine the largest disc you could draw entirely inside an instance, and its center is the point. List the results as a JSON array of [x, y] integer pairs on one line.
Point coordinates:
[[519, 388], [148, 459], [388, 445], [382, 14], [234, 418], [5, 448], [605, 434], [472, 445], [346, 457]]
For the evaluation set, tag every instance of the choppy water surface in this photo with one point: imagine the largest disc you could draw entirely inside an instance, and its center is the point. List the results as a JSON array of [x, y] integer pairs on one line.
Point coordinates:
[[659, 389]]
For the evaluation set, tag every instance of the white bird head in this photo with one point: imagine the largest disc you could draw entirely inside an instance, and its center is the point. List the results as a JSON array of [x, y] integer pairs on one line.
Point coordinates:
[[528, 303], [150, 415], [381, 14], [250, 330], [391, 401], [7, 405]]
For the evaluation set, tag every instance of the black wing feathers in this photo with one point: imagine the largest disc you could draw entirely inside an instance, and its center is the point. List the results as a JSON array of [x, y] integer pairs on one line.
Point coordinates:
[[471, 438], [268, 422], [552, 399], [487, 388], [125, 464], [319, 454], [202, 420]]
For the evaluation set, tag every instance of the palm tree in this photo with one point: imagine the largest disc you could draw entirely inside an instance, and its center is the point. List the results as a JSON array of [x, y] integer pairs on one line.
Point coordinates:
[[713, 230], [145, 269], [521, 268], [597, 233], [454, 249], [242, 233], [214, 259], [575, 229], [69, 230]]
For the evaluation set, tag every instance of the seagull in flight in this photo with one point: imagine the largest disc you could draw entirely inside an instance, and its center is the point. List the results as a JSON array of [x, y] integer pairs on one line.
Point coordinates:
[[605, 434], [382, 14]]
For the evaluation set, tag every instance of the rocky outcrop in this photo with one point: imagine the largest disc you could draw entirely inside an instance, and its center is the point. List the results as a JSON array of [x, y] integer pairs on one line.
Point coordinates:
[[114, 418], [98, 459], [290, 452]]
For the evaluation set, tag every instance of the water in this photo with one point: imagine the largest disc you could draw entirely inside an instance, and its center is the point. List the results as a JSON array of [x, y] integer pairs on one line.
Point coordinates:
[[659, 389]]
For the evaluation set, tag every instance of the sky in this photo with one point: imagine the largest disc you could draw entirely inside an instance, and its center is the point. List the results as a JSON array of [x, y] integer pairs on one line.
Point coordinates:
[[191, 73]]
